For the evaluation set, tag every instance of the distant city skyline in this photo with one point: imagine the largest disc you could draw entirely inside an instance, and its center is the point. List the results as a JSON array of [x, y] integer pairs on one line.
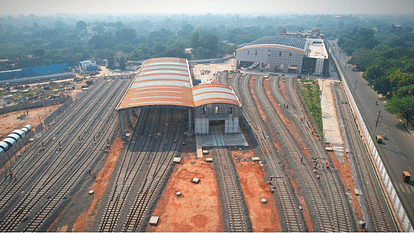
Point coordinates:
[[198, 7]]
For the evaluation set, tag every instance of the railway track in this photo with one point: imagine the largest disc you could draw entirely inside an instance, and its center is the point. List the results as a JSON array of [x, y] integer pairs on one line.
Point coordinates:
[[238, 217], [342, 215], [144, 168], [69, 164], [292, 217], [324, 219], [379, 214], [38, 156], [222, 77]]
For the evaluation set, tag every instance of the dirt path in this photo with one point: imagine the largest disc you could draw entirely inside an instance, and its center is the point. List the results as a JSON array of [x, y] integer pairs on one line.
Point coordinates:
[[264, 217], [86, 220]]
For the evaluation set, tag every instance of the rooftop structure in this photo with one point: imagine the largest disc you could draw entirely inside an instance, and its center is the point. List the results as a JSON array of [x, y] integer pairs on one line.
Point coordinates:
[[214, 94], [167, 81], [161, 81], [315, 33], [315, 48], [287, 54], [298, 43]]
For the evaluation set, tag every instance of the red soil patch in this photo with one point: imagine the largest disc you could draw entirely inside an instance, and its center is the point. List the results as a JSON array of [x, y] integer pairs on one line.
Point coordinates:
[[9, 121], [345, 174], [198, 208], [264, 217], [86, 219], [282, 84], [291, 127]]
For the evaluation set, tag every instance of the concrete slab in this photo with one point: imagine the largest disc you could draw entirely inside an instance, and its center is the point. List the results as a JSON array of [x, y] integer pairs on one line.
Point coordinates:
[[206, 141], [154, 220], [331, 129]]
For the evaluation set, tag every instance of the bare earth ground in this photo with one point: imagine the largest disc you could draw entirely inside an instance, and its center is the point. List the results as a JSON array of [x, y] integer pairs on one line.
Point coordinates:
[[264, 217], [9, 121], [208, 78], [86, 219], [198, 208]]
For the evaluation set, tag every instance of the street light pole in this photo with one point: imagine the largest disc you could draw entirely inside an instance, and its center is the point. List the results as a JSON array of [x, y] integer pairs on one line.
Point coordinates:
[[379, 120]]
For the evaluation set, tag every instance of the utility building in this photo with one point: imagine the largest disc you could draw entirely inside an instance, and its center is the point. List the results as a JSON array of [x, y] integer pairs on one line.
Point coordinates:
[[215, 104], [166, 82], [285, 54]]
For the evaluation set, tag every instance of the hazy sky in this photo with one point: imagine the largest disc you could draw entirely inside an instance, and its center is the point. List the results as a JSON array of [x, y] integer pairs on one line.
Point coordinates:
[[48, 7]]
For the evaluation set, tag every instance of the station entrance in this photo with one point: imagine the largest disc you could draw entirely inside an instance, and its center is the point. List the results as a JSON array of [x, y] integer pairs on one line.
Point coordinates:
[[219, 126]]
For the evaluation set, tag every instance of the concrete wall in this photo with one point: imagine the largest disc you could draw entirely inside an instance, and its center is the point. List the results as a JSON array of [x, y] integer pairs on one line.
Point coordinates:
[[382, 172], [272, 56], [231, 125], [34, 105], [209, 111], [201, 126], [227, 112]]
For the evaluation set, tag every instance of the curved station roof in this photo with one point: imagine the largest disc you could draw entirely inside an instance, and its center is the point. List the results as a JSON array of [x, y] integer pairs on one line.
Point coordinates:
[[167, 81], [285, 42], [161, 81], [214, 93]]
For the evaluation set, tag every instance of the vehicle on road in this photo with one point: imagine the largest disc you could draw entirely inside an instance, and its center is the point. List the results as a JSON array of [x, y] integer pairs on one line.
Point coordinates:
[[378, 138], [406, 176]]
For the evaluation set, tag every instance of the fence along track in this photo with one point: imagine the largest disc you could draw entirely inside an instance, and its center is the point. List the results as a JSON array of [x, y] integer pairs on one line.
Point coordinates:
[[320, 206], [289, 203], [161, 162], [380, 216], [56, 173], [238, 217], [336, 192]]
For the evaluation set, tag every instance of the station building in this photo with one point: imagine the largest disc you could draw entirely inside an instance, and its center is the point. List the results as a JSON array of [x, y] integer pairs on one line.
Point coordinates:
[[166, 82], [285, 54]]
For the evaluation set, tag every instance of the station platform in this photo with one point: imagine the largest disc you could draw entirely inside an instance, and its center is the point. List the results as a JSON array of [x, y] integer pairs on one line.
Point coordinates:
[[207, 141]]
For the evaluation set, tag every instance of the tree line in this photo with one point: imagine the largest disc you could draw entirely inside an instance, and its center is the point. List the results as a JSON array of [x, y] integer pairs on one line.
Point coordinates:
[[388, 64]]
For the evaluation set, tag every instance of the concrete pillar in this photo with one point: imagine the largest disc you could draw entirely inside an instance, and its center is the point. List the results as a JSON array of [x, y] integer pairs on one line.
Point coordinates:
[[189, 121], [260, 66], [121, 122], [285, 68], [128, 116]]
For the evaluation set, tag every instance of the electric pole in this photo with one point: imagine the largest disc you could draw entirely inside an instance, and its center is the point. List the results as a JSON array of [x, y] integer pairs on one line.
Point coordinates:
[[379, 120]]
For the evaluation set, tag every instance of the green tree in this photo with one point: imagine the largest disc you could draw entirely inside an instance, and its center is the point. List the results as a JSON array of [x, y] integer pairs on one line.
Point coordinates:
[[98, 29], [38, 52], [122, 62], [186, 30], [195, 40], [403, 106], [80, 26]]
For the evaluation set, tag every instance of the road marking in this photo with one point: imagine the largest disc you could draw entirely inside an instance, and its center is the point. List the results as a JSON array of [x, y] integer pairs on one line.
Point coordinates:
[[411, 189], [403, 188], [410, 169]]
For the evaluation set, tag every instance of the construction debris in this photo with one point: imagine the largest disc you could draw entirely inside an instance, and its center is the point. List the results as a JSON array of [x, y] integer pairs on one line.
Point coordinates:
[[154, 220]]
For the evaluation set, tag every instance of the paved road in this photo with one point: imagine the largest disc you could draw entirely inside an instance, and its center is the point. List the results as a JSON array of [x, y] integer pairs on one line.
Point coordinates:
[[397, 152]]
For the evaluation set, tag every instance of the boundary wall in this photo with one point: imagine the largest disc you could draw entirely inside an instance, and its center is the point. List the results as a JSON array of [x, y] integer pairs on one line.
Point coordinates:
[[375, 157], [38, 104]]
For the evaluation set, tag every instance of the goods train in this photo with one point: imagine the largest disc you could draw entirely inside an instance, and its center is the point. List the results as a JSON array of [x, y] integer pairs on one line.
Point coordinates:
[[13, 138]]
